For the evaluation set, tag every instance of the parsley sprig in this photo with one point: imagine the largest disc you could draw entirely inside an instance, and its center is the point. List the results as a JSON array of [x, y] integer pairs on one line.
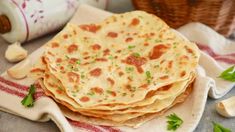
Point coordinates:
[[131, 47], [136, 54], [219, 128], [228, 74], [28, 100], [78, 62], [174, 122], [129, 69], [148, 76]]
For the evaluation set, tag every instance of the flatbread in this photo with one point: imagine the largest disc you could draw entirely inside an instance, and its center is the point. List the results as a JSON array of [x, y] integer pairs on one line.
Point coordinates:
[[56, 89], [126, 70], [108, 63], [152, 108], [136, 122]]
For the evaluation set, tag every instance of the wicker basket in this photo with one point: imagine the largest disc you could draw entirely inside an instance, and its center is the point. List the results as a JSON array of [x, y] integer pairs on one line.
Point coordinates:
[[218, 14]]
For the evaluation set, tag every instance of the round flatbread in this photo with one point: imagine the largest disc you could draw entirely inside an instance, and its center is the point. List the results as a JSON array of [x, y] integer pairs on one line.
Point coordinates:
[[119, 60]]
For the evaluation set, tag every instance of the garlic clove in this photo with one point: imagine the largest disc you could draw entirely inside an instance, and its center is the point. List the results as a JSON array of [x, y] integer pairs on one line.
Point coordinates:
[[226, 107], [21, 70], [15, 52]]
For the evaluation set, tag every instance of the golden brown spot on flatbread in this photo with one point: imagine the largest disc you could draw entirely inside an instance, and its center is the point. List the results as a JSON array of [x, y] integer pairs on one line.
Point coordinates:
[[158, 51], [106, 52], [73, 77], [164, 77], [136, 61], [97, 90], [90, 28], [101, 59], [135, 22], [96, 47], [58, 60], [165, 88], [120, 73], [170, 64], [65, 36], [96, 72], [84, 99], [183, 73], [72, 48], [111, 81], [37, 70], [129, 39], [73, 60], [54, 45], [112, 35]]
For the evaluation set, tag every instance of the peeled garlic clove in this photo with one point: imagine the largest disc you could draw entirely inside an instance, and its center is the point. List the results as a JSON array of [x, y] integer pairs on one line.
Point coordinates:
[[15, 52], [21, 70], [226, 107]]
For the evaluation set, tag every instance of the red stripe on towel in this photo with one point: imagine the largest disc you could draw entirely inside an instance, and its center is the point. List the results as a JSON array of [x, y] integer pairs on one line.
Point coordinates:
[[13, 84], [85, 126], [11, 91], [218, 57], [226, 60], [211, 52], [39, 94], [110, 129], [19, 88]]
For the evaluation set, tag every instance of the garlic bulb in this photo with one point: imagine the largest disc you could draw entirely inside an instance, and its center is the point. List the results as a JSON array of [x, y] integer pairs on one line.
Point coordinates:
[[226, 107], [15, 52], [20, 71]]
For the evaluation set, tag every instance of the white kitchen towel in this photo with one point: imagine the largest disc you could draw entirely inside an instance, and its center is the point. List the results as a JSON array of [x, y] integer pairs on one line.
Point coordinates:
[[217, 54]]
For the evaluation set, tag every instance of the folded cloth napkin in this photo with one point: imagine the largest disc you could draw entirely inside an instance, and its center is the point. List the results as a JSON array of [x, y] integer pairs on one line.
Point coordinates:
[[216, 56]]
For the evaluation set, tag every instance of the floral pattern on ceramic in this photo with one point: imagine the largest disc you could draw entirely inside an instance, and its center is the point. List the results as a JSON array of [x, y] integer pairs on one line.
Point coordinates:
[[44, 16]]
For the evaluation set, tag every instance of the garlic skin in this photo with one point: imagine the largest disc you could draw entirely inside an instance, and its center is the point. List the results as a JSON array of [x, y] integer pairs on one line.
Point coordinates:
[[21, 70], [15, 52], [226, 107]]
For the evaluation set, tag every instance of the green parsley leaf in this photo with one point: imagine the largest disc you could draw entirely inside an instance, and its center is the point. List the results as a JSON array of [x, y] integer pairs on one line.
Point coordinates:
[[91, 93], [75, 69], [131, 47], [28, 99], [156, 66], [109, 91], [140, 17], [157, 41], [66, 56], [60, 88], [82, 76], [136, 54], [174, 122], [110, 57], [148, 75], [129, 69], [78, 62], [124, 94], [228, 74], [219, 128]]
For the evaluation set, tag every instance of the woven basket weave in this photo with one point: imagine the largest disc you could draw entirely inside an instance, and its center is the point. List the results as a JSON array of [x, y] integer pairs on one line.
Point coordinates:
[[218, 14]]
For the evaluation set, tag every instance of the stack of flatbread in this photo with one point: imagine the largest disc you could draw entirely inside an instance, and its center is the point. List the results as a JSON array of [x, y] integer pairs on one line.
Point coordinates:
[[126, 70]]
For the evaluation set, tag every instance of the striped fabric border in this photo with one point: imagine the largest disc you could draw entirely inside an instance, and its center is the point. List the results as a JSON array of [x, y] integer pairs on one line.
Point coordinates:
[[227, 58], [20, 91]]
